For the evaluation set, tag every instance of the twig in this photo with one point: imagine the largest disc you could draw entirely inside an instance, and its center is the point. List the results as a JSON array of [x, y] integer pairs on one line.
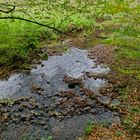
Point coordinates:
[[10, 10], [31, 21]]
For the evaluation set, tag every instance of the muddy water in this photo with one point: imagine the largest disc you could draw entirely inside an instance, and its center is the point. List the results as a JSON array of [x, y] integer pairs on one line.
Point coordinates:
[[55, 98]]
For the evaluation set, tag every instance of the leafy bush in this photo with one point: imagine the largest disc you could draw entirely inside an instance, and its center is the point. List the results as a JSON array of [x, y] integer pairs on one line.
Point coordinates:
[[89, 127], [16, 40]]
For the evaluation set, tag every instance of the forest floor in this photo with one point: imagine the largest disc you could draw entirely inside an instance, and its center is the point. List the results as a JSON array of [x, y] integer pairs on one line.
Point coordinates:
[[122, 85]]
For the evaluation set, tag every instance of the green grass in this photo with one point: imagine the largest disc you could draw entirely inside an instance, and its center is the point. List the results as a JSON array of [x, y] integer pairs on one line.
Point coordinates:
[[19, 38], [124, 32]]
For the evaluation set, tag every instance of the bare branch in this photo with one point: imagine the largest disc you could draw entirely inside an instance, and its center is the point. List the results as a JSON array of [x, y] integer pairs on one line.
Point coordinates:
[[31, 21]]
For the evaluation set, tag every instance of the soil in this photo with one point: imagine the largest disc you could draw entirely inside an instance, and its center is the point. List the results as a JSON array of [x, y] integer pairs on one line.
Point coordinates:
[[104, 54]]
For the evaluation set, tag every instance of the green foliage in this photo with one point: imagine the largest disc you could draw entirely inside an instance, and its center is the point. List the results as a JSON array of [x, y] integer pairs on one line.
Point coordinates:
[[49, 138], [128, 123], [134, 109], [104, 123], [119, 133], [44, 56], [122, 29], [89, 127], [19, 38], [16, 40]]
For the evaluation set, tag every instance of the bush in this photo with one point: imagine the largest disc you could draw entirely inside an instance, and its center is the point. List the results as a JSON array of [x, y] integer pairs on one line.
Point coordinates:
[[17, 39]]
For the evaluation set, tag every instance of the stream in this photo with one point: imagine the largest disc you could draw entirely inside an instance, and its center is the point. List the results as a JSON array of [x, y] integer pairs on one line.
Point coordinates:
[[56, 98]]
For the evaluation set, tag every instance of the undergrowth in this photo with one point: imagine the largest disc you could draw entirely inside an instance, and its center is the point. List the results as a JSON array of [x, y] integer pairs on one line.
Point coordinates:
[[19, 38], [16, 40], [122, 30], [119, 19]]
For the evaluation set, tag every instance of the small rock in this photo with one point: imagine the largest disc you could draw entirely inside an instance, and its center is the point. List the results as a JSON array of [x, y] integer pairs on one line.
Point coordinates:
[[87, 108], [42, 65], [15, 120], [34, 113], [42, 123], [46, 127], [35, 67], [55, 113], [48, 82]]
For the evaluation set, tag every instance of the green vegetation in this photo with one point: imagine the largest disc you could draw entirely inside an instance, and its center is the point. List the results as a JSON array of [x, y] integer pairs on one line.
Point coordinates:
[[118, 18], [24, 25], [122, 29], [19, 38], [7, 101], [119, 133], [49, 138], [89, 127]]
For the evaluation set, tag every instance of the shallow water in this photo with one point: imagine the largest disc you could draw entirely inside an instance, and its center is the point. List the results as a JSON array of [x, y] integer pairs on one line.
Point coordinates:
[[48, 80]]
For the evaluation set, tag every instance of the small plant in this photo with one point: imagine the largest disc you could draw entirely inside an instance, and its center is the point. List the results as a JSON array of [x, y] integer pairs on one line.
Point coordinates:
[[44, 56], [89, 127], [104, 123], [49, 138], [119, 133]]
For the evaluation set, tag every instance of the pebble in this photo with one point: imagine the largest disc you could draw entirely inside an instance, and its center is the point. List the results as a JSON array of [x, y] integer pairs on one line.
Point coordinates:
[[35, 67], [42, 65]]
